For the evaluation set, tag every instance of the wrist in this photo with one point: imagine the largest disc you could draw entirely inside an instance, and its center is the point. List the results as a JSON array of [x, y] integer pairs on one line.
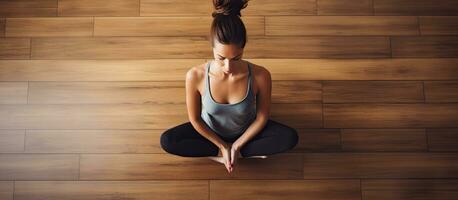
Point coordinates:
[[236, 145], [223, 145]]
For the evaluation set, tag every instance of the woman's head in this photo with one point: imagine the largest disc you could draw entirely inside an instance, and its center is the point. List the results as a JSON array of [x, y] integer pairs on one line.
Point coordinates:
[[227, 32]]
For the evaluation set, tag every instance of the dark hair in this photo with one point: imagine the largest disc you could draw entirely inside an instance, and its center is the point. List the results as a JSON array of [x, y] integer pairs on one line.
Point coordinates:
[[227, 26]]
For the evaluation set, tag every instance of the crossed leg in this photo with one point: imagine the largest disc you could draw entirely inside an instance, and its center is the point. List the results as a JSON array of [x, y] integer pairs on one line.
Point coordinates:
[[184, 140]]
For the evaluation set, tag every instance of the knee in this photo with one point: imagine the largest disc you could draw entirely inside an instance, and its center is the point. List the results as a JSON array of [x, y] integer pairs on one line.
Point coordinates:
[[288, 135], [167, 142], [291, 138]]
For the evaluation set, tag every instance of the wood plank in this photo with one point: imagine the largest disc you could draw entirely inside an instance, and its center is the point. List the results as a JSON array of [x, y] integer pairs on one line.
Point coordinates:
[[99, 8], [444, 189], [14, 48], [380, 165], [442, 139], [372, 91], [318, 47], [361, 69], [285, 189], [296, 91], [438, 25], [93, 141], [281, 69], [166, 26], [132, 116], [12, 141], [341, 25], [424, 46], [49, 26], [107, 92], [284, 7], [120, 47], [107, 190], [6, 190], [96, 116], [415, 7], [366, 140], [298, 115], [344, 7], [175, 7], [390, 115], [441, 91], [318, 140], [97, 70], [166, 166], [2, 27], [38, 167], [13, 92], [28, 8], [201, 7], [197, 47], [150, 92]]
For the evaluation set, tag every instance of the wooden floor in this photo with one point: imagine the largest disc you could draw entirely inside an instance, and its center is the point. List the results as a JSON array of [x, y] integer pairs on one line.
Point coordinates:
[[87, 87]]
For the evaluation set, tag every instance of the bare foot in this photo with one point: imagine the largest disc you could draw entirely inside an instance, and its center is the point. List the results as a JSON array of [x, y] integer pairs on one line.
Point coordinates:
[[256, 157], [219, 159]]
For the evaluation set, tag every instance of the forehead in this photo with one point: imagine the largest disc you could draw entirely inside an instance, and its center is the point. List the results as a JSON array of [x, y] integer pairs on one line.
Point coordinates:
[[227, 50]]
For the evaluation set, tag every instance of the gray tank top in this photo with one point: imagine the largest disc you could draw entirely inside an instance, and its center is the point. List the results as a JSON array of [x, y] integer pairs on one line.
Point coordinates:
[[228, 120]]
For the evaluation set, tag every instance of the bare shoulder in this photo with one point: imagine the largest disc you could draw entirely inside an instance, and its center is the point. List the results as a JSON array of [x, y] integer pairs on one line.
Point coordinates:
[[260, 73], [261, 76], [195, 73], [195, 76]]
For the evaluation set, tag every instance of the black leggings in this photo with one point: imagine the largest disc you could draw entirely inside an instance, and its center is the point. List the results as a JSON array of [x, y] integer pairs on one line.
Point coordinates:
[[184, 140]]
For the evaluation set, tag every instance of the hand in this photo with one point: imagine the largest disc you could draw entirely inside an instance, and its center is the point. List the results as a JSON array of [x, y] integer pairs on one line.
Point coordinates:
[[235, 154], [226, 154]]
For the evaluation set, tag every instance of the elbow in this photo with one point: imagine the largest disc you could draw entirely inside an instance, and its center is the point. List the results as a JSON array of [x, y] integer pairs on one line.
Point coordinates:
[[194, 117], [262, 117], [195, 120]]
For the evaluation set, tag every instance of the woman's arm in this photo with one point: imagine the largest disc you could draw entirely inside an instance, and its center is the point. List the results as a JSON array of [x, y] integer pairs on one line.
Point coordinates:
[[193, 104], [263, 100]]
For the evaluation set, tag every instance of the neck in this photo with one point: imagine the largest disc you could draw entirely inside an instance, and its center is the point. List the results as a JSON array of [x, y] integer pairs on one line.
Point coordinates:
[[241, 69]]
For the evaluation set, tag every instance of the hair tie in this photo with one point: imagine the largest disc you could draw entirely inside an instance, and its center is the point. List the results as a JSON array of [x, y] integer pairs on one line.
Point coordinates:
[[223, 12]]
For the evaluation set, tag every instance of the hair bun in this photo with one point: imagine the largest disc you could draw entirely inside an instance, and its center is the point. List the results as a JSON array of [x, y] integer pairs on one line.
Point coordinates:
[[229, 7]]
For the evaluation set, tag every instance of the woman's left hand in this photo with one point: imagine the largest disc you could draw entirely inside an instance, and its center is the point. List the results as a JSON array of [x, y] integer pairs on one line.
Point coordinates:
[[235, 154]]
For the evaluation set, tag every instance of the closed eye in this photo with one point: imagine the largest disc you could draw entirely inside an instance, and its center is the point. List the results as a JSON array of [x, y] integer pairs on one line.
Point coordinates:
[[234, 59], [237, 57]]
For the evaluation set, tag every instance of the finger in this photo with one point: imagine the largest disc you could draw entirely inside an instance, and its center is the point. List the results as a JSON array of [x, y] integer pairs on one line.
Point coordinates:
[[230, 165], [232, 158], [227, 164], [228, 160]]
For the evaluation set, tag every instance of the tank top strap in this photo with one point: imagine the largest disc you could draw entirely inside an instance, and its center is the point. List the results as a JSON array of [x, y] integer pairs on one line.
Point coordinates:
[[249, 76], [207, 81]]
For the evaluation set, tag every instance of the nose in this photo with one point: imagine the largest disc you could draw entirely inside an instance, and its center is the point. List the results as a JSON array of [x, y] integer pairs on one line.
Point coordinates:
[[228, 64]]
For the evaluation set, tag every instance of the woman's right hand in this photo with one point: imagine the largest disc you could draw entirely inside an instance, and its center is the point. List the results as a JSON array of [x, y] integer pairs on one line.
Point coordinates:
[[226, 154]]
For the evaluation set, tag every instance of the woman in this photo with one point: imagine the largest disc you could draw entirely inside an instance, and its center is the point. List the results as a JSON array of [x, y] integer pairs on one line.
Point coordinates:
[[228, 101]]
